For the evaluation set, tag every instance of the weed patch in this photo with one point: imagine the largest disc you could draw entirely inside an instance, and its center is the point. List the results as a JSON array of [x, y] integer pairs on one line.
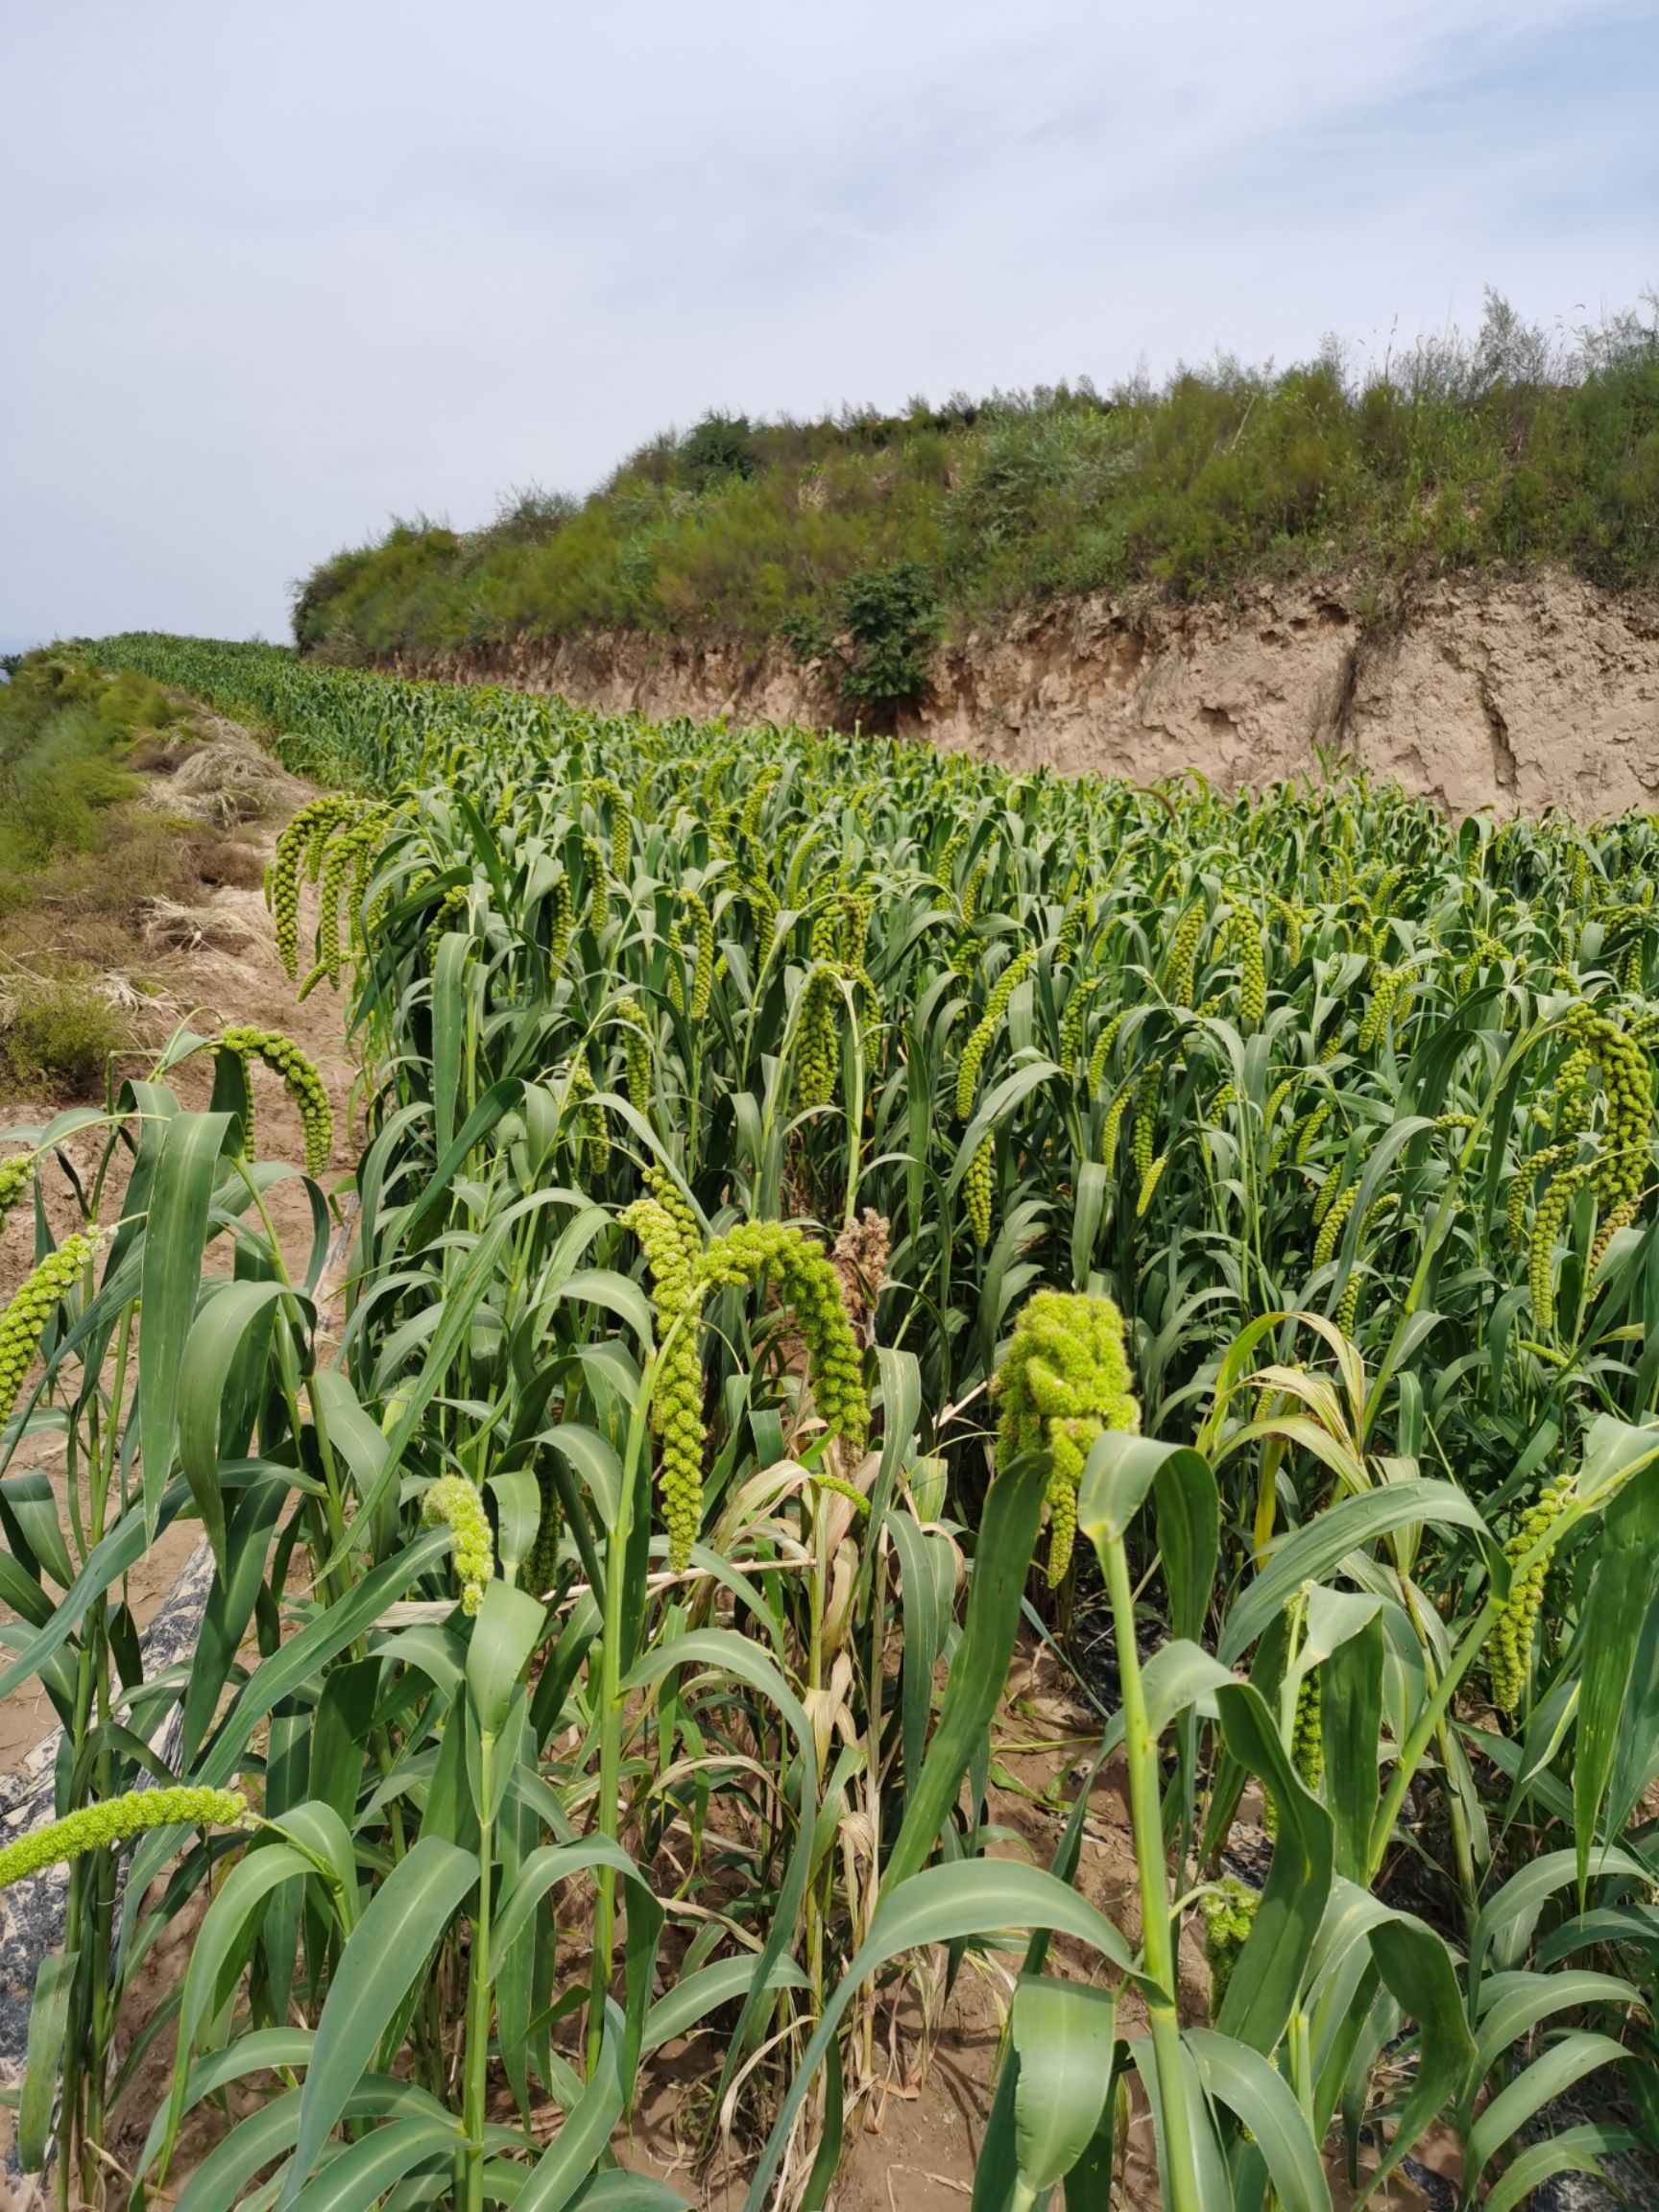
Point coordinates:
[[56, 1034]]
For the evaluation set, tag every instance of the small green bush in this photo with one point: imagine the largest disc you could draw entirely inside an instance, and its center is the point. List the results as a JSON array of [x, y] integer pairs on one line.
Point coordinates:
[[58, 1033], [892, 617], [721, 446]]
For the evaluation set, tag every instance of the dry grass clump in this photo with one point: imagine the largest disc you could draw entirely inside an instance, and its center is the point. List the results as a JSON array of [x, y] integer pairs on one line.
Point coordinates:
[[227, 782]]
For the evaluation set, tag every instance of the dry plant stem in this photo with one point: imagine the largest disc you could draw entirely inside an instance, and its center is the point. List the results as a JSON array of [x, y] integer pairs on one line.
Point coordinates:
[[1140, 1755]]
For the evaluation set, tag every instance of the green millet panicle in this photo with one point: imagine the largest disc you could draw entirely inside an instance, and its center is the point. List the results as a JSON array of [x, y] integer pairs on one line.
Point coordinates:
[[1293, 920], [1145, 1122], [342, 857], [1063, 1382], [817, 1044], [1332, 1227], [1067, 937], [450, 907], [1229, 1913], [683, 1276], [598, 891], [369, 838], [605, 791], [1553, 1211], [1307, 1132], [978, 1043], [541, 1564], [978, 1184], [301, 845], [748, 821], [813, 1291], [971, 890], [677, 1394], [1509, 1653], [318, 835], [116, 1819], [1566, 1104], [1608, 1228], [1181, 972], [1386, 993], [1627, 1082], [1114, 1121], [639, 1034], [825, 941], [1241, 931], [763, 905], [1328, 1184], [16, 1174], [1148, 1190], [702, 975], [859, 906], [561, 922], [593, 1137], [33, 1305], [453, 1500], [1307, 1735], [1551, 1156], [1103, 1044], [1072, 1021], [300, 1077], [1483, 954], [1277, 1097]]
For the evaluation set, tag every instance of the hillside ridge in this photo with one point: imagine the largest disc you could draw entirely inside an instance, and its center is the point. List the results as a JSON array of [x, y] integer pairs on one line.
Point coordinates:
[[863, 539]]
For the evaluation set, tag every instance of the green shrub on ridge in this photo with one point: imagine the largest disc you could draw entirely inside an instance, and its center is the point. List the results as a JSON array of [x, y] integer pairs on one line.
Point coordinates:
[[1507, 448]]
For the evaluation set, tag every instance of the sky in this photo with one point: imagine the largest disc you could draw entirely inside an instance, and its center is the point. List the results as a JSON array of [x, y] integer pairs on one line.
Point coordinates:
[[272, 274]]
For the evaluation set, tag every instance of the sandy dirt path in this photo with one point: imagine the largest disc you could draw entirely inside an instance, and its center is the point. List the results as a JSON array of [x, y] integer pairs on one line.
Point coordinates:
[[233, 974]]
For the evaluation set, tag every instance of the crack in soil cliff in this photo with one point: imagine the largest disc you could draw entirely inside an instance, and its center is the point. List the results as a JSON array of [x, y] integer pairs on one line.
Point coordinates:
[[1347, 690], [1503, 766]]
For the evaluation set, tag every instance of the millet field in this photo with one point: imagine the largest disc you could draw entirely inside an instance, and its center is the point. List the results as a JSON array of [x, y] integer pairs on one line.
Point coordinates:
[[831, 1218]]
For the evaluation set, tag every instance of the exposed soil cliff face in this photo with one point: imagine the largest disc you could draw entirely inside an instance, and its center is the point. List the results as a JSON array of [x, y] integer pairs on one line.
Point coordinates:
[[1508, 694]]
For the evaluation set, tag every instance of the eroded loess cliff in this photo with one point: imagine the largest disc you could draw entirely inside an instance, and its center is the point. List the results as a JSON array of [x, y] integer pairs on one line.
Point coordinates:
[[1502, 694]]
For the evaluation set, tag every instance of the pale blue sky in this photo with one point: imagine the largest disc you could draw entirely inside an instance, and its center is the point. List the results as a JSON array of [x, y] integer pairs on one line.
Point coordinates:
[[273, 273]]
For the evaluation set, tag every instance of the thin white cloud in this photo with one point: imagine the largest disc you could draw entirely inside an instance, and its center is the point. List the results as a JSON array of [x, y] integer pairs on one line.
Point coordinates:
[[272, 276]]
